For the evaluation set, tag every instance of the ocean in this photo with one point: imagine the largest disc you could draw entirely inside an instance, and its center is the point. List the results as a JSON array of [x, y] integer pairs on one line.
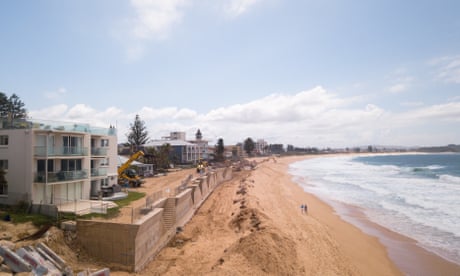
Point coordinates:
[[417, 196]]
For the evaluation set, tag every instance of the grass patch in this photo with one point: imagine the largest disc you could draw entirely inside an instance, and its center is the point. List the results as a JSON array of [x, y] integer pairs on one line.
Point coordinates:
[[113, 212], [132, 196], [18, 216], [36, 219], [20, 213]]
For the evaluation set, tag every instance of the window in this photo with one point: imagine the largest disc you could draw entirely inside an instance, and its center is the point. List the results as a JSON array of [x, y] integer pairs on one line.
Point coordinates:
[[71, 144], [4, 165], [71, 165], [3, 140], [41, 165], [104, 162], [3, 181], [104, 142]]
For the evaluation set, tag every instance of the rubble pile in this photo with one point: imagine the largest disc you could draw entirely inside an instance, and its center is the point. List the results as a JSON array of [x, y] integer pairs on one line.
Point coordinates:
[[38, 260]]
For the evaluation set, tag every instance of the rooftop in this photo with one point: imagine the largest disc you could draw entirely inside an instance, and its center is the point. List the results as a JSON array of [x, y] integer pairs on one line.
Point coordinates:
[[55, 126]]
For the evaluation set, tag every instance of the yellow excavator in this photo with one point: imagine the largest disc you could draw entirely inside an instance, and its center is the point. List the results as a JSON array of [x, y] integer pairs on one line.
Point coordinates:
[[129, 176]]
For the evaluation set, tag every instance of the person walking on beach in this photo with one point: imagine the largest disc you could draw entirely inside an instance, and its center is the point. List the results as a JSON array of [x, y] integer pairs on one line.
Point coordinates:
[[302, 208], [305, 208]]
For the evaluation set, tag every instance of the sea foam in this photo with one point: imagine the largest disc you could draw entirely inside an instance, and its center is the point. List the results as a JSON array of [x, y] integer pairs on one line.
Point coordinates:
[[416, 197]]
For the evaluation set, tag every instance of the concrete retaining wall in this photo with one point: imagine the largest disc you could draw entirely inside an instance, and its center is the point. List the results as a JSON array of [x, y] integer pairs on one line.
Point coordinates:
[[196, 194], [204, 188], [113, 243], [184, 207], [150, 238], [132, 246]]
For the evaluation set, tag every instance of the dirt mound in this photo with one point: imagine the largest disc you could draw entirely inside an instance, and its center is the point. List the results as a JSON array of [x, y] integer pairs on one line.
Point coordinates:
[[264, 251], [247, 219]]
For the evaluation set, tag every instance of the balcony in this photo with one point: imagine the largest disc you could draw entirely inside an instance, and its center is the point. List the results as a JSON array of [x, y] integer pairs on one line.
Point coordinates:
[[62, 176], [98, 172], [61, 151], [98, 151]]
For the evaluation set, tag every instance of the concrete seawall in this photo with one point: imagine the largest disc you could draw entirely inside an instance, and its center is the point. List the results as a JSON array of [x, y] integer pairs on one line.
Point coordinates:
[[132, 246]]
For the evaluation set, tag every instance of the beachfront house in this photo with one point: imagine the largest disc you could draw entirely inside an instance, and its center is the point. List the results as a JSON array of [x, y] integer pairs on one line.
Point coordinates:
[[182, 151], [54, 162]]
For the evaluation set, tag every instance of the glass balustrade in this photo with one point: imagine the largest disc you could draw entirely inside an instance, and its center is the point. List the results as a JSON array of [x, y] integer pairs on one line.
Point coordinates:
[[60, 176], [98, 172], [99, 151], [61, 151]]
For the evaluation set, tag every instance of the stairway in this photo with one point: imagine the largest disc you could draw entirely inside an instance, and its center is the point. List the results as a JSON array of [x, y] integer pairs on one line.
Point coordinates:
[[169, 214]]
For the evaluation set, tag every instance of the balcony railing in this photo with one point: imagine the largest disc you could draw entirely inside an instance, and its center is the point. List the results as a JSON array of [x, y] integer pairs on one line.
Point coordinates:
[[98, 172], [99, 151], [61, 151], [62, 176]]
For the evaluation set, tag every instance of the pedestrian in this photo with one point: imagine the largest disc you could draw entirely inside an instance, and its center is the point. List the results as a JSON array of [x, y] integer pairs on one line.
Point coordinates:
[[302, 208], [305, 208]]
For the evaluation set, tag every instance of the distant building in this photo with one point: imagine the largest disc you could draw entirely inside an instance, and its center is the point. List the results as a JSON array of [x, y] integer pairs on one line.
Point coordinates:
[[202, 146], [55, 163], [175, 135], [182, 152], [261, 147]]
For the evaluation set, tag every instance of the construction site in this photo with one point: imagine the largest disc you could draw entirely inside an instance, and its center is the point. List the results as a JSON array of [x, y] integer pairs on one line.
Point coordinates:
[[125, 242]]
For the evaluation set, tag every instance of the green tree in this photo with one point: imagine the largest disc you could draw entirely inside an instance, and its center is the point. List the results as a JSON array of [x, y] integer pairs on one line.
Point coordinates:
[[3, 105], [16, 108], [159, 157], [138, 134], [163, 156], [220, 150], [12, 107], [249, 146]]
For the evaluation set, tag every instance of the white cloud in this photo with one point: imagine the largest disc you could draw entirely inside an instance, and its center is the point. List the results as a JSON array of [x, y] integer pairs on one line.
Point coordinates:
[[400, 81], [238, 7], [313, 117], [447, 69], [152, 20], [185, 114], [397, 88], [155, 18], [56, 94], [80, 111], [49, 113], [412, 104], [166, 113], [441, 112], [278, 107]]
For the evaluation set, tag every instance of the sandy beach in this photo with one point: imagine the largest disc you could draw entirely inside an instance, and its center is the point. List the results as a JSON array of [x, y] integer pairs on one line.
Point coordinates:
[[253, 225]]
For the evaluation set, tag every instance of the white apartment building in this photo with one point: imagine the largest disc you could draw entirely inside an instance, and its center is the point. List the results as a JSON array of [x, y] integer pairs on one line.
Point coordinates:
[[261, 147], [182, 151], [55, 163]]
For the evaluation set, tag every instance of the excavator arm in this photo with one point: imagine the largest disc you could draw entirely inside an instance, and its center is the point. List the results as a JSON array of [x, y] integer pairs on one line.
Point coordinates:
[[126, 165], [124, 174]]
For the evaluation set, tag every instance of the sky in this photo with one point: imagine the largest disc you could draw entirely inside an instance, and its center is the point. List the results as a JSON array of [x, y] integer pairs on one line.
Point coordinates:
[[327, 73]]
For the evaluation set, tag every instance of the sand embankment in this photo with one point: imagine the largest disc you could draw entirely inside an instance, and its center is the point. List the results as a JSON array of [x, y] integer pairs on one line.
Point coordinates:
[[254, 225]]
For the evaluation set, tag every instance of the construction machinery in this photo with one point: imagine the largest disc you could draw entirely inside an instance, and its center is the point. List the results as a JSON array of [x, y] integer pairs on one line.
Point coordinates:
[[127, 175]]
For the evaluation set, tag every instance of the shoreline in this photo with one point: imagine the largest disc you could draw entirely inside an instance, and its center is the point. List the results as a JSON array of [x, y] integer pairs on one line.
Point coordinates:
[[409, 257], [252, 225]]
